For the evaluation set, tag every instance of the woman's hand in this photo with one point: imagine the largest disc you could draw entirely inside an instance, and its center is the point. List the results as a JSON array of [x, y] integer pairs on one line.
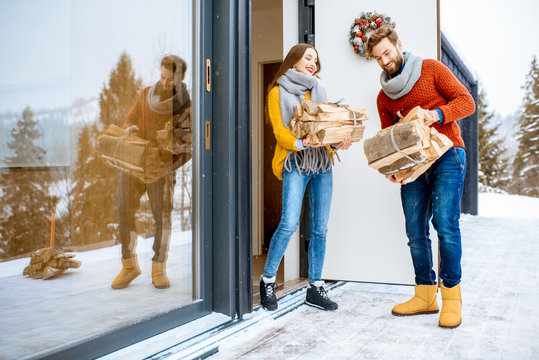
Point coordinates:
[[345, 144], [306, 143]]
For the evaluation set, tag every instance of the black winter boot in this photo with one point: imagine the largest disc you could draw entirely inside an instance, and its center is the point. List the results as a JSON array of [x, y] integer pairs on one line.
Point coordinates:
[[317, 297], [268, 300]]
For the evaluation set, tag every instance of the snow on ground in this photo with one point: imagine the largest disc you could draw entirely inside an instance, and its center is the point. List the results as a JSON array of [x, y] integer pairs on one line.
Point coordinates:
[[80, 303], [500, 291]]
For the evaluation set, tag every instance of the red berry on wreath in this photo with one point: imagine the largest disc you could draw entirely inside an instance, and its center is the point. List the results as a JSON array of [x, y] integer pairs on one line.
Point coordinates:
[[355, 47], [360, 33], [363, 38], [378, 21], [357, 21]]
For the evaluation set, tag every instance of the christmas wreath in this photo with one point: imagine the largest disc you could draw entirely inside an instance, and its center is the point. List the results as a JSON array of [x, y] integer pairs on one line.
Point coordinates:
[[363, 27]]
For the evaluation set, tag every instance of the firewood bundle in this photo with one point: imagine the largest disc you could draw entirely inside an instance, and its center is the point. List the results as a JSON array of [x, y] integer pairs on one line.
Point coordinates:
[[327, 123], [48, 262], [177, 131], [406, 149], [129, 153]]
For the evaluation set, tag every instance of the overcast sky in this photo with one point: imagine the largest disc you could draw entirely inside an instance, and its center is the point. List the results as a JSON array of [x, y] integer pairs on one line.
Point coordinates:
[[497, 39], [56, 51]]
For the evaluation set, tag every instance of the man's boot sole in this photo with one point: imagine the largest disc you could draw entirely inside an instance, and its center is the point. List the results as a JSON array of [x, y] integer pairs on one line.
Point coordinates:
[[449, 327], [417, 313], [319, 307]]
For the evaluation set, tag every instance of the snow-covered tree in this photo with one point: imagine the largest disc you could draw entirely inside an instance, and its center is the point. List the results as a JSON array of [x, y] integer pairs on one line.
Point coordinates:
[[494, 165], [25, 201], [526, 162], [95, 185]]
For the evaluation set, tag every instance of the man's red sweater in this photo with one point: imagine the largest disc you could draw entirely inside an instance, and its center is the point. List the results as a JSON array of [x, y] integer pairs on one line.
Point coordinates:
[[437, 88]]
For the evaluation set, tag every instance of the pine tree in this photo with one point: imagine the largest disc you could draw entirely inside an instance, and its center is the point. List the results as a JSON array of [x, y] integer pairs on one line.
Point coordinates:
[[95, 185], [526, 162], [25, 201], [493, 162]]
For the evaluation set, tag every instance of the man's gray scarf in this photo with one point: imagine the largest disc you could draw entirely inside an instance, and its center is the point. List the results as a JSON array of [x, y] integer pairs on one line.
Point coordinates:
[[167, 106], [400, 85], [293, 86]]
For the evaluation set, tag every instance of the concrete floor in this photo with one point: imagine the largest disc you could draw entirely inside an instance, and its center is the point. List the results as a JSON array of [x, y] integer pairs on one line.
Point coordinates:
[[500, 318]]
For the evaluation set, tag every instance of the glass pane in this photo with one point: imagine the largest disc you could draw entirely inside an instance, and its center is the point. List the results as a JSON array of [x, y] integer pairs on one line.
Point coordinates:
[[97, 159]]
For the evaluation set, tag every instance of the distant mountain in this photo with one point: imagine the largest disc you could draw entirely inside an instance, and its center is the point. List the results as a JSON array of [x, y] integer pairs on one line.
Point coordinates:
[[59, 128], [507, 131]]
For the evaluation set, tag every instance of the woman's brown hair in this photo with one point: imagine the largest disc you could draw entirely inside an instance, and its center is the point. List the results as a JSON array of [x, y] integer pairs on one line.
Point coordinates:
[[294, 55]]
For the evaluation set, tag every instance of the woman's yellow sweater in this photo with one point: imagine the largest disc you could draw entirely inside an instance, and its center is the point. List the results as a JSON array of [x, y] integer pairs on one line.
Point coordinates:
[[285, 139]]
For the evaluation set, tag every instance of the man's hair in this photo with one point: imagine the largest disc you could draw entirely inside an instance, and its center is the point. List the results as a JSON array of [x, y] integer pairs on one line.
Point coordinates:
[[385, 31], [174, 63]]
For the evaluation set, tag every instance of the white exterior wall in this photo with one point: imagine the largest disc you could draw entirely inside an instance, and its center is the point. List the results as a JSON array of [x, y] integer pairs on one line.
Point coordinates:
[[366, 238]]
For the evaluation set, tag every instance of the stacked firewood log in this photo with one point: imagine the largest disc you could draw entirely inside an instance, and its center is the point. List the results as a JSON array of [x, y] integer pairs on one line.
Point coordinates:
[[407, 149], [48, 262], [128, 152], [327, 123], [176, 131]]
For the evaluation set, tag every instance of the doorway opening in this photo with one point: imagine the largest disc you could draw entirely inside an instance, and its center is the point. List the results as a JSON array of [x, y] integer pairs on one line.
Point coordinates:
[[267, 55]]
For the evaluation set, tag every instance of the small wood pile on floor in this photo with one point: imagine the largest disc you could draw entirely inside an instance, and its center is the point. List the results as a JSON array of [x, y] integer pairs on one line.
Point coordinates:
[[129, 153], [49, 262], [408, 148], [327, 123]]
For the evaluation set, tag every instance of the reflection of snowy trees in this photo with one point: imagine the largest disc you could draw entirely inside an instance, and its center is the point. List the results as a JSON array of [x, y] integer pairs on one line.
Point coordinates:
[[25, 201], [94, 185]]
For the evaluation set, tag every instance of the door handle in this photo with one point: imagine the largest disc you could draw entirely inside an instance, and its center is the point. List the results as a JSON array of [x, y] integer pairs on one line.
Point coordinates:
[[208, 75]]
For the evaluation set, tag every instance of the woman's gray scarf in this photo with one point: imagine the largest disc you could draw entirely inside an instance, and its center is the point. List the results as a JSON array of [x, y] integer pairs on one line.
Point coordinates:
[[400, 85], [167, 106], [293, 86]]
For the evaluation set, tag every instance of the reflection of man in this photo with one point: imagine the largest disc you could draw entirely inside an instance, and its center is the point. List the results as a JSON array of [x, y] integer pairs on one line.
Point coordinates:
[[408, 81], [158, 107]]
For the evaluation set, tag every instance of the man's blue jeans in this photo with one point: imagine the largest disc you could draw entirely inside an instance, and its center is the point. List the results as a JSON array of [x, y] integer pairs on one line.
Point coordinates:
[[436, 194], [320, 192]]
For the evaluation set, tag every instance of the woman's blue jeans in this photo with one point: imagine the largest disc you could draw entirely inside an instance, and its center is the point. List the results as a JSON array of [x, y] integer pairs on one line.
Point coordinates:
[[436, 194], [320, 192]]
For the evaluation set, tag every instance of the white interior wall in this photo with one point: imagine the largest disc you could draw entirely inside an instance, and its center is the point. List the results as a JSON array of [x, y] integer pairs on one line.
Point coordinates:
[[366, 238], [267, 45]]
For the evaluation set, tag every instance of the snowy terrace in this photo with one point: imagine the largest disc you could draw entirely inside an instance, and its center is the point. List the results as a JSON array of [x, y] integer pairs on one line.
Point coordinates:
[[500, 290]]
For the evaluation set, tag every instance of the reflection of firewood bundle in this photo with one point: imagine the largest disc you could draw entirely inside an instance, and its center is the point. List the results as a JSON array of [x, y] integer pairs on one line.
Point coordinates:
[[48, 262], [327, 123], [177, 131], [406, 149], [128, 152]]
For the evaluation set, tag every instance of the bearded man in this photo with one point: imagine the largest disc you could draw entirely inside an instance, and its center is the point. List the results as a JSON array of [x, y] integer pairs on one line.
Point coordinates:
[[155, 106], [409, 81]]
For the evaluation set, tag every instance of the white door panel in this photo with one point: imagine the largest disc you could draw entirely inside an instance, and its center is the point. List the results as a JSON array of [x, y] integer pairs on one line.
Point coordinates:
[[366, 238]]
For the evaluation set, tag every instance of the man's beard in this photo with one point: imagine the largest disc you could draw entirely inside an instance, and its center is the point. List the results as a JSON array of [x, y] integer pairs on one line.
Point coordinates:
[[164, 93], [398, 64]]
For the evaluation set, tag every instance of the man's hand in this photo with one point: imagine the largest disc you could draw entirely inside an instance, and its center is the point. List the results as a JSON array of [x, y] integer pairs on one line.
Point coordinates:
[[394, 180], [133, 129], [431, 117], [345, 144], [306, 143]]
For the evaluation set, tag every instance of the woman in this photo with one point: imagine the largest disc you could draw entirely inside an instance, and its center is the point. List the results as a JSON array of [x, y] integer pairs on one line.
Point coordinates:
[[297, 163]]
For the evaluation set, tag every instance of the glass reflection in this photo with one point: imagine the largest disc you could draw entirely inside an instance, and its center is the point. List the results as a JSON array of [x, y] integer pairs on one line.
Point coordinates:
[[96, 157]]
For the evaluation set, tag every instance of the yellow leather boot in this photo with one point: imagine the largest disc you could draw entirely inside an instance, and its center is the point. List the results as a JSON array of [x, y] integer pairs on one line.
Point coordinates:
[[424, 302], [159, 276], [130, 270], [450, 317]]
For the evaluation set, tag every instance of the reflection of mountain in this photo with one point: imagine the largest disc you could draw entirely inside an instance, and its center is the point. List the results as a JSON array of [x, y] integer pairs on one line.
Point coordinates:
[[54, 128], [59, 128]]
